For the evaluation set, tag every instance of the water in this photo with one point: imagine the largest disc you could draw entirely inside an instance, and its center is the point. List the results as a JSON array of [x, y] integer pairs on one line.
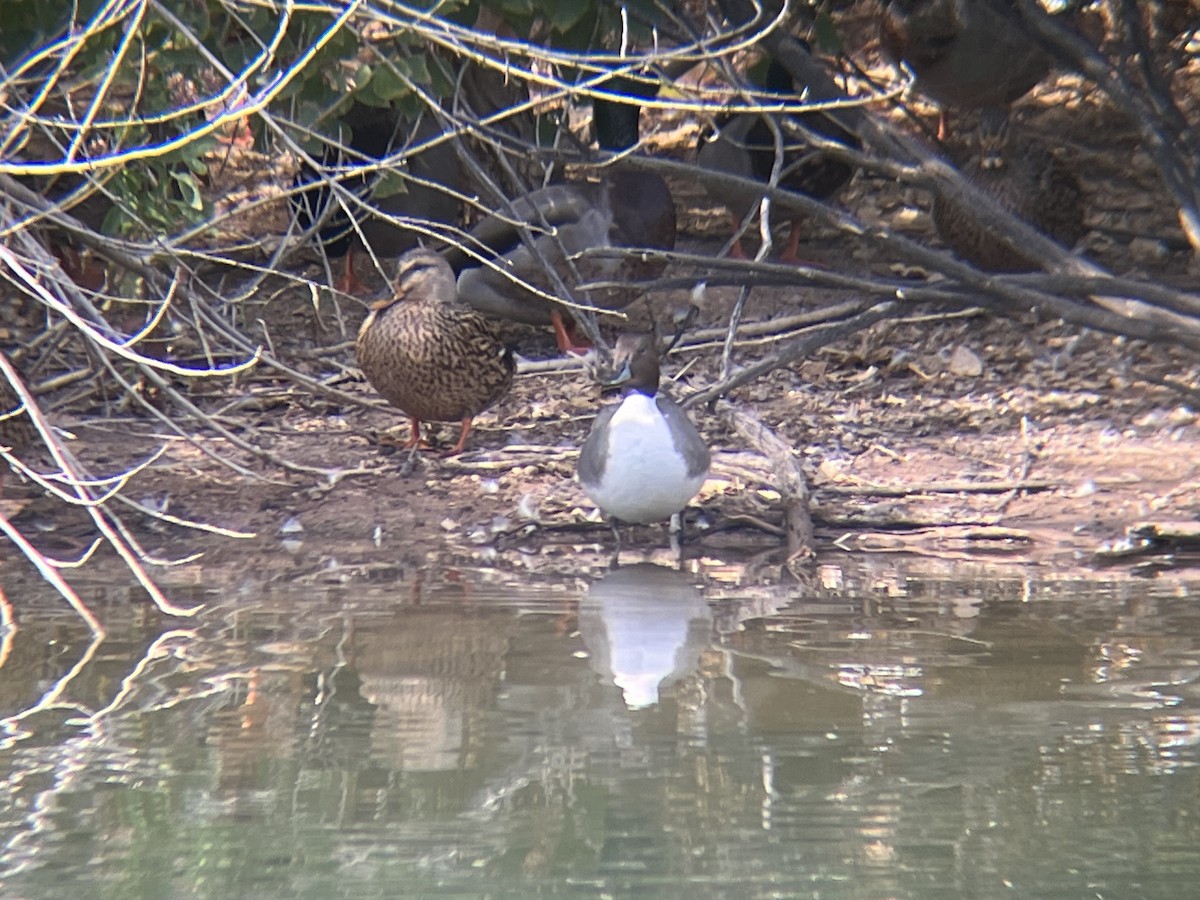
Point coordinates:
[[883, 730]]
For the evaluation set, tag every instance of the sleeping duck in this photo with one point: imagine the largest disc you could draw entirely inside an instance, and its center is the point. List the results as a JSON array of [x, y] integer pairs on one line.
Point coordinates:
[[625, 209], [1027, 180]]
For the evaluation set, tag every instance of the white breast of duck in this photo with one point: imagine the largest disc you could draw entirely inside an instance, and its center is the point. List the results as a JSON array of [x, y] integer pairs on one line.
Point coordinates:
[[644, 460]]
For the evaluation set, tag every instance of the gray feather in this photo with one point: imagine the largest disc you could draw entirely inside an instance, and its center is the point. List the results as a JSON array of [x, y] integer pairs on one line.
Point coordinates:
[[593, 456], [688, 441]]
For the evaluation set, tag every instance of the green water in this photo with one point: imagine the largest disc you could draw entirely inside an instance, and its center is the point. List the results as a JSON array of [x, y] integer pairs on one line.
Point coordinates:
[[876, 732]]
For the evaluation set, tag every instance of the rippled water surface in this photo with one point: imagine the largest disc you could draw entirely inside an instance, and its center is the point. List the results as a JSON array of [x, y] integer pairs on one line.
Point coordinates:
[[877, 731]]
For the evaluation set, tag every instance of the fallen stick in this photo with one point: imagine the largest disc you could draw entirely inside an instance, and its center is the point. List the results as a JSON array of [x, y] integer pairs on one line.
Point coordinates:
[[938, 487], [790, 481]]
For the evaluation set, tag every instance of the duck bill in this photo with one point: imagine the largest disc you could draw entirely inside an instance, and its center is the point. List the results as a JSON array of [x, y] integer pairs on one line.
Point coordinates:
[[617, 381]]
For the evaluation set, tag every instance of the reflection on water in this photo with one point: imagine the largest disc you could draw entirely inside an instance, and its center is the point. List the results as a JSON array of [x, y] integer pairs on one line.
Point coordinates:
[[643, 625], [639, 732]]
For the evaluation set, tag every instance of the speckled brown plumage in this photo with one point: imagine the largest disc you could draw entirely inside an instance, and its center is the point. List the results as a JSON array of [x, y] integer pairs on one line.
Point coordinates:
[[965, 53], [429, 354], [1024, 178]]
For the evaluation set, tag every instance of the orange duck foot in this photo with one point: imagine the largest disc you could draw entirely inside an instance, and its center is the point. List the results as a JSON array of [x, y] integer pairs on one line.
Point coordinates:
[[737, 251], [348, 282], [566, 337], [414, 439], [791, 253], [462, 439]]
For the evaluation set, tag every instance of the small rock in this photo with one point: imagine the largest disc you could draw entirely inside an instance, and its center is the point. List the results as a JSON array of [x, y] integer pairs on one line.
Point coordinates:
[[527, 508], [965, 363], [1146, 249], [291, 526], [1180, 416]]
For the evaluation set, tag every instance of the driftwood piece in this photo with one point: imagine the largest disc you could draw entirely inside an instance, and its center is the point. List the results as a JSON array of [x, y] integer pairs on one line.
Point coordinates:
[[790, 481], [951, 541], [939, 487], [1152, 538]]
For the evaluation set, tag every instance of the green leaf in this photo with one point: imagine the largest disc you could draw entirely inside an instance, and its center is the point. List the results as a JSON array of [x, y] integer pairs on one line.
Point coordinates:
[[362, 76], [826, 37], [386, 85], [389, 184], [189, 189], [564, 15]]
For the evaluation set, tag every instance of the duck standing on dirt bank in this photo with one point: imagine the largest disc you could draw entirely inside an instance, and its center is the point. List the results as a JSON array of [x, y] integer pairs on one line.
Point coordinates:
[[643, 460], [744, 145], [429, 354], [966, 54], [627, 209], [1027, 180]]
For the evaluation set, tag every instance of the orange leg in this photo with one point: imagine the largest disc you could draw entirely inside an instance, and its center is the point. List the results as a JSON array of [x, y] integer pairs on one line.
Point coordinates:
[[462, 438], [737, 251], [349, 283], [791, 252], [413, 441], [566, 338]]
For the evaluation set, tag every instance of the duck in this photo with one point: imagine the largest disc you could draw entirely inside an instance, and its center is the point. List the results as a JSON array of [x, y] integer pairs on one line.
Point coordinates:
[[643, 207], [743, 144], [431, 180], [625, 209], [643, 460], [966, 54], [1025, 179], [429, 354]]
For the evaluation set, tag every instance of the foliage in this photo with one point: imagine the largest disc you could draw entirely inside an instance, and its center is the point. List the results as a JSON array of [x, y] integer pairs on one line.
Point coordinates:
[[159, 75]]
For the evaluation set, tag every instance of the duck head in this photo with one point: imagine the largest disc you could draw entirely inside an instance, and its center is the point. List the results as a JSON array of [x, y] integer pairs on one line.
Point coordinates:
[[424, 276], [635, 366]]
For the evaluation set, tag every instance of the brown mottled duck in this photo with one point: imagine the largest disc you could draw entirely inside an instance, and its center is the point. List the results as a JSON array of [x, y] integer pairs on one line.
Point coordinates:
[[1023, 177], [428, 353], [966, 54]]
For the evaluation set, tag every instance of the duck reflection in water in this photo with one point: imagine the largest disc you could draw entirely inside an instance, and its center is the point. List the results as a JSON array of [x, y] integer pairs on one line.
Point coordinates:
[[644, 625]]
